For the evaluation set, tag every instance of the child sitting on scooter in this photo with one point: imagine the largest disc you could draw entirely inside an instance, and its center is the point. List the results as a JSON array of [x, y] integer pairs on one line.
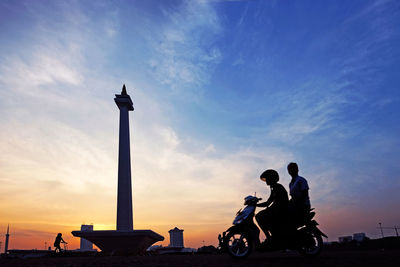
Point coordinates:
[[273, 219]]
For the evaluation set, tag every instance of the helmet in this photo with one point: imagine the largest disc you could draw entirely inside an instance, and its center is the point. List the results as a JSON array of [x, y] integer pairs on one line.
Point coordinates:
[[270, 176]]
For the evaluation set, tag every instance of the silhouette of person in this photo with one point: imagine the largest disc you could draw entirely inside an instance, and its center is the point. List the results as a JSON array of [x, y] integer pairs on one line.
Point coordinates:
[[274, 216], [58, 241], [299, 203]]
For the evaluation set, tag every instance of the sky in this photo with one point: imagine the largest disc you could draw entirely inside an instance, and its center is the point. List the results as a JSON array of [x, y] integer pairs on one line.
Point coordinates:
[[222, 91]]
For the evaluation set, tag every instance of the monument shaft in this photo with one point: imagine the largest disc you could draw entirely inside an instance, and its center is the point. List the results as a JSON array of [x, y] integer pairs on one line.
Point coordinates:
[[124, 202]]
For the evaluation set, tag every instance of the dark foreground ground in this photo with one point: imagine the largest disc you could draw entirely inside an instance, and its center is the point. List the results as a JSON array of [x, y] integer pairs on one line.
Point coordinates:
[[326, 259]]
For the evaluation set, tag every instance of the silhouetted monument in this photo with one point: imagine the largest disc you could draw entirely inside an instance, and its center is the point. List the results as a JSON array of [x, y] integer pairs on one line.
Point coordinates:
[[124, 204], [124, 239]]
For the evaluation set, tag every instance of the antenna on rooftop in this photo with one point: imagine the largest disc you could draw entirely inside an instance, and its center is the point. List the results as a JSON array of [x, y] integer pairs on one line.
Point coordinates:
[[7, 237], [380, 226], [395, 228]]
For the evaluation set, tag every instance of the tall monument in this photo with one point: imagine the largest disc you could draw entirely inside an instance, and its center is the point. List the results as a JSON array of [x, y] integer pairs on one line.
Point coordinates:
[[124, 204], [124, 239]]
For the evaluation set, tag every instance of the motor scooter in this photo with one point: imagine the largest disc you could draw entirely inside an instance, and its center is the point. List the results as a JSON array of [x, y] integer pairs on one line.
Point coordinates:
[[242, 238]]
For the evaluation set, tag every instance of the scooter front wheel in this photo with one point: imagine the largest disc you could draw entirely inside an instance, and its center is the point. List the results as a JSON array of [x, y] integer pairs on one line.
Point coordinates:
[[239, 244]]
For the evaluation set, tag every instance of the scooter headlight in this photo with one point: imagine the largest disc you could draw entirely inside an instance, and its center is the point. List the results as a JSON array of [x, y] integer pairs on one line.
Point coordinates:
[[237, 221]]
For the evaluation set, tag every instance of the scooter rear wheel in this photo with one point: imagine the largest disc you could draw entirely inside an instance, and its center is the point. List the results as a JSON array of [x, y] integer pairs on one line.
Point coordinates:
[[239, 244], [311, 244]]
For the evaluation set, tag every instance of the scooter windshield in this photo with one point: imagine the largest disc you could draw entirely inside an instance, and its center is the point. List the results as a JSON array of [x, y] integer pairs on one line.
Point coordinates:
[[244, 214]]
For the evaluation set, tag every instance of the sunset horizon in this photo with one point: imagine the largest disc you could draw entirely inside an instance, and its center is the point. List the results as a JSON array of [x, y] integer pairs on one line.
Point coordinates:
[[222, 91]]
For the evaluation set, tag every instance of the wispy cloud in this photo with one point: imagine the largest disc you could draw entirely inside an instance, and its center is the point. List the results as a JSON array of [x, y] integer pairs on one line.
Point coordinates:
[[183, 57], [319, 103], [308, 109]]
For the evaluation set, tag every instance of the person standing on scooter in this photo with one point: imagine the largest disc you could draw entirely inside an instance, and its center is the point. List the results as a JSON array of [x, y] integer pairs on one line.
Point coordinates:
[[299, 203], [273, 218]]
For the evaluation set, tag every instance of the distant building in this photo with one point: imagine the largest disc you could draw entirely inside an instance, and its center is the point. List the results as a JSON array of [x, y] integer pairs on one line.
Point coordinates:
[[85, 244], [359, 237], [345, 239], [175, 244], [176, 238]]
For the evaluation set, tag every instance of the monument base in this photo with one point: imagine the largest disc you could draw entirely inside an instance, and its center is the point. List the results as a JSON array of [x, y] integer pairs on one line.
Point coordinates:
[[121, 242]]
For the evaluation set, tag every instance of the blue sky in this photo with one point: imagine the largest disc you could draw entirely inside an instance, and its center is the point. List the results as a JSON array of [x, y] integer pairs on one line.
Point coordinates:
[[222, 89]]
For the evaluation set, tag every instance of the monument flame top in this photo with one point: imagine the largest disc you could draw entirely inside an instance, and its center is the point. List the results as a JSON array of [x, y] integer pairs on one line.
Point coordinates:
[[123, 100], [123, 92]]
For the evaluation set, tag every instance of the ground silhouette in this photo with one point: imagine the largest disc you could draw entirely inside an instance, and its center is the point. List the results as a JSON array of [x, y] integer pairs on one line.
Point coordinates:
[[276, 259]]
